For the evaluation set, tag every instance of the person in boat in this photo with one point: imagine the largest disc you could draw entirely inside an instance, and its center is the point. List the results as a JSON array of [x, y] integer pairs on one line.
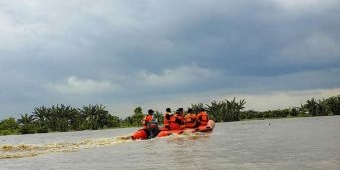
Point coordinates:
[[190, 119], [202, 117], [167, 116], [181, 116], [177, 120], [150, 124]]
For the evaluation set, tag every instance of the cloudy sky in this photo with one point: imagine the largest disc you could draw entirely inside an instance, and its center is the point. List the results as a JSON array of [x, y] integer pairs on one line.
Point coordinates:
[[158, 54]]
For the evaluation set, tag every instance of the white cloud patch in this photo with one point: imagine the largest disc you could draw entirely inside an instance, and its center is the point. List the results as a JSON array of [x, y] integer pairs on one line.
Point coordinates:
[[74, 85], [270, 100], [285, 99], [177, 77]]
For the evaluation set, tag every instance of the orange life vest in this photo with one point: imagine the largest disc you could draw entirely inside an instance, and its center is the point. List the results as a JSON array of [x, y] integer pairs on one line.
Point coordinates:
[[203, 118], [190, 120], [176, 121], [149, 121], [166, 121]]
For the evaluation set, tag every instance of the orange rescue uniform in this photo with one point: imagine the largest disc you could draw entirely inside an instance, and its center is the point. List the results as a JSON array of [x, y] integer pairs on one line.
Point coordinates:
[[147, 121], [203, 118], [166, 121], [190, 120], [176, 122]]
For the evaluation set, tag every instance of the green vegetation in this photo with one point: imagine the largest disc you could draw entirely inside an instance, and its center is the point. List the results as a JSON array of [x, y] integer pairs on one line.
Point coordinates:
[[62, 118]]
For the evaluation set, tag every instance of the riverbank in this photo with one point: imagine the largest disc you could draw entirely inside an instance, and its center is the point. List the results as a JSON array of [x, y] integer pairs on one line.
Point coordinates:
[[17, 132]]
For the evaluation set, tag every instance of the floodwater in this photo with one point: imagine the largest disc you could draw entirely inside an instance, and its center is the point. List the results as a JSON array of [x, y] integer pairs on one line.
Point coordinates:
[[282, 144]]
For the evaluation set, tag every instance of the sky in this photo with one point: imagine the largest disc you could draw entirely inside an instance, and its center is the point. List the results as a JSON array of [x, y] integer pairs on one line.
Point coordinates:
[[157, 54]]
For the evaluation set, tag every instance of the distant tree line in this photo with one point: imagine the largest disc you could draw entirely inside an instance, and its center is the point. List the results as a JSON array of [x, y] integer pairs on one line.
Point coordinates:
[[324, 107], [64, 118]]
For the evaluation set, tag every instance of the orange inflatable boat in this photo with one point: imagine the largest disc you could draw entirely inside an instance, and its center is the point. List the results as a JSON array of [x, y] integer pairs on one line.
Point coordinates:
[[142, 134]]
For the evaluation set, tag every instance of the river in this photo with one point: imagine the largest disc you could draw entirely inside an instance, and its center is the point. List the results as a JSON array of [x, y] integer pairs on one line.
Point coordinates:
[[280, 144]]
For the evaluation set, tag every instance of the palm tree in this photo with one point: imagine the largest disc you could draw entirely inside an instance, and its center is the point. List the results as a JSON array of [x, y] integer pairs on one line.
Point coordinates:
[[27, 123], [113, 121], [41, 115], [26, 119], [138, 116], [95, 116], [86, 112], [76, 119], [312, 107], [197, 107], [333, 104], [217, 110], [238, 107], [102, 115]]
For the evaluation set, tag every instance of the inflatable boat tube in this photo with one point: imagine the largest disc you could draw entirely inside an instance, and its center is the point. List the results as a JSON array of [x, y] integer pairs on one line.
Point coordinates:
[[142, 134]]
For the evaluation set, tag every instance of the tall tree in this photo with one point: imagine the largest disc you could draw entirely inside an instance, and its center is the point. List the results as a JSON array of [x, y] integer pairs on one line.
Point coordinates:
[[96, 116], [197, 107], [26, 119], [8, 126], [42, 116], [138, 116], [27, 124], [312, 107], [334, 104]]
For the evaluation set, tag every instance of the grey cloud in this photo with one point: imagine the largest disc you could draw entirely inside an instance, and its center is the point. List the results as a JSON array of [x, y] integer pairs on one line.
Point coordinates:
[[234, 46]]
